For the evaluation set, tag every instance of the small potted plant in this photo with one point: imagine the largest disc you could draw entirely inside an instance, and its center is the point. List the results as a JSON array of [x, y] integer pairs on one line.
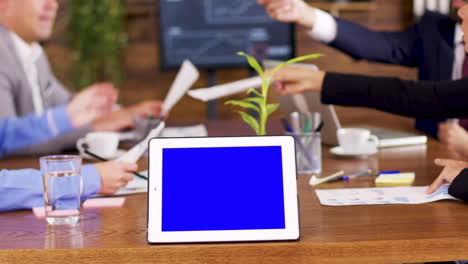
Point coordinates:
[[257, 100]]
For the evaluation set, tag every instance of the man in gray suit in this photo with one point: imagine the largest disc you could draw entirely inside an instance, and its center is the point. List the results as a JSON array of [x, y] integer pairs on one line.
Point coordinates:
[[27, 83]]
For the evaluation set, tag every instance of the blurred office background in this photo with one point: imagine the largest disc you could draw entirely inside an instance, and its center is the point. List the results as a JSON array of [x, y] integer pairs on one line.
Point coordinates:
[[143, 79]]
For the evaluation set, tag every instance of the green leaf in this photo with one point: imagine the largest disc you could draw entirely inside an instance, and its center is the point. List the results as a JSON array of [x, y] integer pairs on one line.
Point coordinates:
[[298, 59], [271, 108], [251, 121], [257, 100], [254, 91], [244, 104], [253, 63]]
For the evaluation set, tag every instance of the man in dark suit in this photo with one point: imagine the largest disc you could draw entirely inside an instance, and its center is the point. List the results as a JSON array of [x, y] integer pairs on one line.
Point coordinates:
[[433, 45], [410, 98]]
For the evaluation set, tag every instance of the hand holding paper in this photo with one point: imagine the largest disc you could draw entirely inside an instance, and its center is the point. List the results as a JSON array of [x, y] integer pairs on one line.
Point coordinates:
[[186, 77], [218, 91], [134, 154]]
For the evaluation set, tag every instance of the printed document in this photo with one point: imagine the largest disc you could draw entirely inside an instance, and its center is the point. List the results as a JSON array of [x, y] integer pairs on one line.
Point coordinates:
[[386, 195]]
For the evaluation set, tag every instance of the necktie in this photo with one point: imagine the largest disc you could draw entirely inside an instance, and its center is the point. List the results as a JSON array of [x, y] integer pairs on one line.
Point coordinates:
[[463, 122]]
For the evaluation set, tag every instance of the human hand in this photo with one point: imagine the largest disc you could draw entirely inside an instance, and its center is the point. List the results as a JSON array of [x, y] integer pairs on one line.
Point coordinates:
[[451, 170], [455, 136], [146, 108], [115, 121], [295, 11], [293, 80], [91, 103], [114, 175]]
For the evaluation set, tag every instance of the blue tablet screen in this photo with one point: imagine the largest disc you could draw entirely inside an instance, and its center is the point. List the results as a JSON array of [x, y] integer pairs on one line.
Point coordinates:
[[222, 188]]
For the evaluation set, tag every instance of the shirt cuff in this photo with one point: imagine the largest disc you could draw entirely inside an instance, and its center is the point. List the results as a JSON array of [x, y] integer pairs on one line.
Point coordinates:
[[91, 181], [59, 121], [325, 27]]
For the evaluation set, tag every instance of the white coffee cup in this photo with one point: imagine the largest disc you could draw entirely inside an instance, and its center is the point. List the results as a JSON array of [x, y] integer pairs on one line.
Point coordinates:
[[356, 140], [103, 144]]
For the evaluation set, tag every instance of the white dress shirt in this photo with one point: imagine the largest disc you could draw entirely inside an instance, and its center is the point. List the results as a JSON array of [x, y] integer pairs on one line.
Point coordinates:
[[28, 56], [326, 28], [459, 53]]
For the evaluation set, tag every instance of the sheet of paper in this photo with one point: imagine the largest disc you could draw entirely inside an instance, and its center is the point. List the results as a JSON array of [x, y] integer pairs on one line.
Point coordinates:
[[134, 154], [386, 195], [179, 131], [104, 202], [187, 131], [218, 91], [270, 64], [186, 77]]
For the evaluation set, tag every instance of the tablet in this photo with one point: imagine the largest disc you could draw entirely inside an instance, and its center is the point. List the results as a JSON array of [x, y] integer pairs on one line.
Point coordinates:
[[222, 189]]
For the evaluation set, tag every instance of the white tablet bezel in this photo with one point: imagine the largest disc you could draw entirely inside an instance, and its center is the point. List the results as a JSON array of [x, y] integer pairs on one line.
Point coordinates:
[[155, 234]]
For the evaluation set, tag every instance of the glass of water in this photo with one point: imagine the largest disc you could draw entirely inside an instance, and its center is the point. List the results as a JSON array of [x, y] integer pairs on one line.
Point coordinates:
[[62, 188]]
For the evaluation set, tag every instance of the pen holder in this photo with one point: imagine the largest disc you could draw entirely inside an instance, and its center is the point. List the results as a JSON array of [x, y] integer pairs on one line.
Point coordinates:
[[308, 152]]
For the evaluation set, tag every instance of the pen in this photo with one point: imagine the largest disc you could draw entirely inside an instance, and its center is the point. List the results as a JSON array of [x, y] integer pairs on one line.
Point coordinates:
[[307, 126], [309, 122], [317, 121], [295, 122], [286, 125], [390, 172], [351, 176], [103, 159], [319, 127], [315, 181]]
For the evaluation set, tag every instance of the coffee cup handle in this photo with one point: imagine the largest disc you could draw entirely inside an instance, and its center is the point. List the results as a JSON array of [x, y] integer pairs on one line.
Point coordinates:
[[374, 139], [79, 145]]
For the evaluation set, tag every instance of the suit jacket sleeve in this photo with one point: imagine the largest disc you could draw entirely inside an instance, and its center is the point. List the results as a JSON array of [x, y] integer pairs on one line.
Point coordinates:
[[54, 94], [459, 186], [387, 47], [422, 99], [7, 101]]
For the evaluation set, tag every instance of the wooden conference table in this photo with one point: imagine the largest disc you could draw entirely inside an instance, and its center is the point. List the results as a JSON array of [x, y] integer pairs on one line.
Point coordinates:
[[357, 234]]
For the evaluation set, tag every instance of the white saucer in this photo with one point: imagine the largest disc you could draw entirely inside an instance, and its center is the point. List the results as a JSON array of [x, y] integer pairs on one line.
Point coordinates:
[[338, 150], [117, 154]]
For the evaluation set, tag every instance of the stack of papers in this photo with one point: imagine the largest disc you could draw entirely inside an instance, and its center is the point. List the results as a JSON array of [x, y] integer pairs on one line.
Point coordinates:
[[387, 195]]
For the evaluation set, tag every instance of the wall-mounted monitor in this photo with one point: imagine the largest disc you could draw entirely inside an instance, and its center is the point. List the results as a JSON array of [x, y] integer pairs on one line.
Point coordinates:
[[211, 32]]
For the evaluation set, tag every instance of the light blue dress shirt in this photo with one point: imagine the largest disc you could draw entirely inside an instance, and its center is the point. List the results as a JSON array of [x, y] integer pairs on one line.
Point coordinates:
[[22, 189]]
